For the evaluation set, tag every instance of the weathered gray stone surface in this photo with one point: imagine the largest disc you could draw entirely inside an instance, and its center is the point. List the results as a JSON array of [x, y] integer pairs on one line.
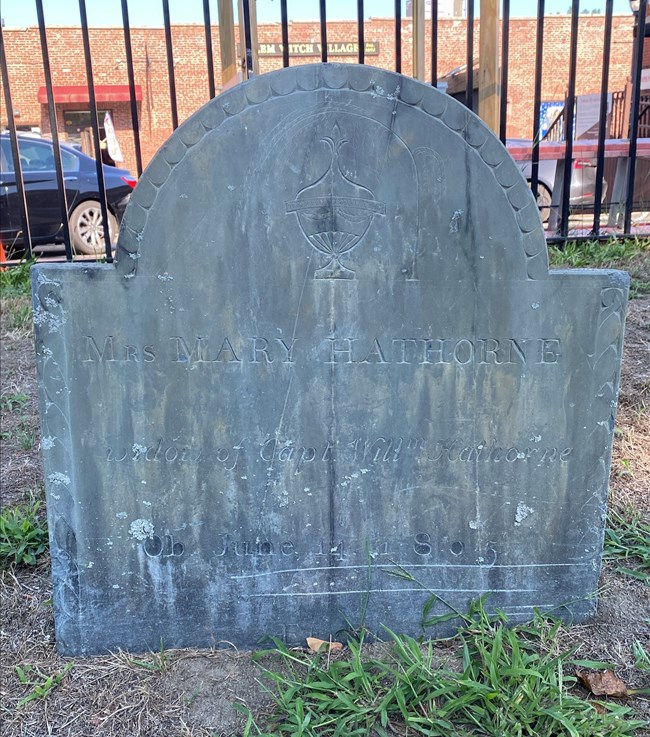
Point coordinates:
[[331, 351]]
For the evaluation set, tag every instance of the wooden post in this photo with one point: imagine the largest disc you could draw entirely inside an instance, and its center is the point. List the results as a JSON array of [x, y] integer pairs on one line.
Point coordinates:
[[418, 39], [229, 63], [252, 14], [488, 84]]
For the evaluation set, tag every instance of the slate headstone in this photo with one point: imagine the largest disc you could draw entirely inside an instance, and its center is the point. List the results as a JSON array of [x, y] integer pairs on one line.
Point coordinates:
[[330, 376]]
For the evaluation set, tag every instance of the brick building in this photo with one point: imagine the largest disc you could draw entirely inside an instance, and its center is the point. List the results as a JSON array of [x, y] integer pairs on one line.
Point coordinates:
[[25, 67]]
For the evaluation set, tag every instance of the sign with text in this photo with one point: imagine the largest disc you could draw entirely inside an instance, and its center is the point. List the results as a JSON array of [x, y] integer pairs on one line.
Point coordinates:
[[313, 48]]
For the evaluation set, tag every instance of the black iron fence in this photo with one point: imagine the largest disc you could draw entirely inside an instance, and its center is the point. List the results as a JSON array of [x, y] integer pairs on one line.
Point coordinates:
[[623, 114]]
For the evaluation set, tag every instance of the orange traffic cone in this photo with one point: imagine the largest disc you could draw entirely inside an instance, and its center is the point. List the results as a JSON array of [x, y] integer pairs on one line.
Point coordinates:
[[3, 257]]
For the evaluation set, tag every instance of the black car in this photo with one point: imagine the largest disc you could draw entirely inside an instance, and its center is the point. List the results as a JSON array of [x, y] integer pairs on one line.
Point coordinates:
[[82, 194]]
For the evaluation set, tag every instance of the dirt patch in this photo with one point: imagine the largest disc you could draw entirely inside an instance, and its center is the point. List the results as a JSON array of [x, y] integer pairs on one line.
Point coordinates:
[[191, 693]]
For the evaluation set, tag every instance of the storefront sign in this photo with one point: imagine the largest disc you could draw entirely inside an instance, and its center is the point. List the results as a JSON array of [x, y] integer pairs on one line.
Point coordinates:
[[312, 48]]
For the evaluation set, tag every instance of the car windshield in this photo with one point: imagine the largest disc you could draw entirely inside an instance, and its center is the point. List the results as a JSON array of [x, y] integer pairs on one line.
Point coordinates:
[[37, 156]]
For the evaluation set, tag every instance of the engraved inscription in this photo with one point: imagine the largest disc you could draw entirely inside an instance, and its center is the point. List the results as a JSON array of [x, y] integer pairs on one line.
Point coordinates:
[[271, 450], [386, 449], [425, 544], [258, 350], [364, 451], [109, 352], [378, 350], [257, 546], [462, 351], [334, 552], [162, 547]]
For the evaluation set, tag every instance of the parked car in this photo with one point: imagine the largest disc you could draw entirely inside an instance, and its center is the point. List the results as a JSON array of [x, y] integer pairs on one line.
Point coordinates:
[[583, 182], [44, 213]]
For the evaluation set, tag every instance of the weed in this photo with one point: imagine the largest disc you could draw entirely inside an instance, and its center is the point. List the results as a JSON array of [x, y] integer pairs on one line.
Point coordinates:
[[23, 535], [505, 687], [26, 437], [24, 434], [42, 687], [627, 538], [15, 281], [642, 658], [10, 402], [158, 662], [626, 468]]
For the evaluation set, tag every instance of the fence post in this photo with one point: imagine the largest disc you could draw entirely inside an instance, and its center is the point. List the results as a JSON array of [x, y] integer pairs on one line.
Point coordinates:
[[418, 39], [227, 47], [488, 84]]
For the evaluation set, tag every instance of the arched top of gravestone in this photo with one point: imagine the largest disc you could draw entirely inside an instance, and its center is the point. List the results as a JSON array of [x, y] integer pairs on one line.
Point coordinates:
[[331, 161]]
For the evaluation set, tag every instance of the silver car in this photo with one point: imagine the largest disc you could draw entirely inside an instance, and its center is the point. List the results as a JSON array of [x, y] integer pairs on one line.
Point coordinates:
[[583, 181]]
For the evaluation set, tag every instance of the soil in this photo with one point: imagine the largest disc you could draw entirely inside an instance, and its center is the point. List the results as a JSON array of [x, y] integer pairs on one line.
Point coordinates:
[[190, 693]]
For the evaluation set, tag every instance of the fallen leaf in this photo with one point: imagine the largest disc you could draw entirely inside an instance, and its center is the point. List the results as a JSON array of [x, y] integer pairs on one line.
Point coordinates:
[[602, 683], [322, 646]]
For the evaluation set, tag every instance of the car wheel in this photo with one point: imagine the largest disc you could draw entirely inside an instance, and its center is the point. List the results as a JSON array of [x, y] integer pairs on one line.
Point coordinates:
[[86, 228], [543, 201]]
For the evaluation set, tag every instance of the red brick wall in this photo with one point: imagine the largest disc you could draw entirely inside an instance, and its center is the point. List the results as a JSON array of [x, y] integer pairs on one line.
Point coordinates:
[[150, 61]]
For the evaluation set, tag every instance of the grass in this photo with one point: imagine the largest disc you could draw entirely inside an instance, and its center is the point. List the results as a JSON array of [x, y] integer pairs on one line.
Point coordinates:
[[15, 291], [597, 254], [23, 535], [629, 254], [627, 541], [509, 683], [15, 281]]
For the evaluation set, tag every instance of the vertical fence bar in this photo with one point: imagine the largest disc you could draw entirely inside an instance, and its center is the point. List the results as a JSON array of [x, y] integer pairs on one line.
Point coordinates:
[[434, 44], [505, 50], [634, 112], [254, 47], [285, 32], [208, 47], [18, 169], [60, 184], [537, 98], [95, 126], [398, 36], [134, 103], [568, 117], [602, 123], [170, 63], [361, 33], [469, 88], [248, 39], [323, 31]]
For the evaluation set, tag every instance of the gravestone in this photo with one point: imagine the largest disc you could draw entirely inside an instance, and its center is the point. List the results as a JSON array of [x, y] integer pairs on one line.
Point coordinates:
[[329, 376]]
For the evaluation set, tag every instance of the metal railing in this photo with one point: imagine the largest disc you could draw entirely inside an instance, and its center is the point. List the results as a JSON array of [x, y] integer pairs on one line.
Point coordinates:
[[638, 119]]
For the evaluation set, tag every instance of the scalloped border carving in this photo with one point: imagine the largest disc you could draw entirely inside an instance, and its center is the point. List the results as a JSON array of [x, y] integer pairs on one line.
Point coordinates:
[[405, 91]]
